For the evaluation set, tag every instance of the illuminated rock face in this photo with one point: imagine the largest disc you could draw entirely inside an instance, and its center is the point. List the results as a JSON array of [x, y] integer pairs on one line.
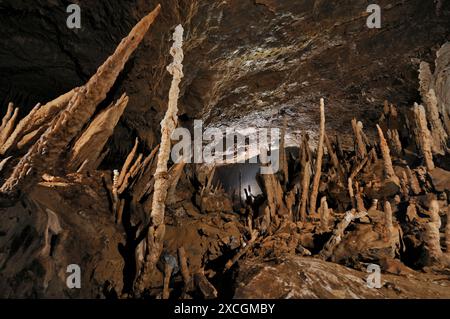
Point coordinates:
[[246, 62]]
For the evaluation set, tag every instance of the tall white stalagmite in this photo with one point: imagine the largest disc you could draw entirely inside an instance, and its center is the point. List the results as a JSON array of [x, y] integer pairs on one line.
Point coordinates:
[[169, 123]]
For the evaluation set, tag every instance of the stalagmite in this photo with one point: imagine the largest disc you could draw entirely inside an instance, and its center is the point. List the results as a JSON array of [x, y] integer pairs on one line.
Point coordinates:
[[127, 164], [274, 194], [413, 181], [318, 172], [388, 168], [324, 213], [351, 193], [7, 116], [4, 162], [438, 134], [115, 194], [388, 225], [156, 232], [442, 84], [306, 165], [432, 236], [8, 128], [423, 135], [91, 143], [334, 159], [361, 149], [338, 233], [283, 160], [44, 154], [426, 79], [37, 121], [359, 199], [394, 141]]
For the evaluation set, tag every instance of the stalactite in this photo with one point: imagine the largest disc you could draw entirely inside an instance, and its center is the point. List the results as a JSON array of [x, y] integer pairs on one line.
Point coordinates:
[[156, 232], [388, 225], [318, 171], [44, 154]]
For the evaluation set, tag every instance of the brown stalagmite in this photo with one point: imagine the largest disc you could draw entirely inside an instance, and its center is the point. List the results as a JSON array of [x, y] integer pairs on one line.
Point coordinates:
[[351, 193], [413, 181], [8, 128], [388, 168], [426, 79], [91, 143], [394, 141], [37, 121], [438, 134], [128, 161], [318, 172], [7, 116], [361, 149], [283, 160], [44, 154], [334, 159], [432, 235], [115, 194], [324, 215], [424, 135], [388, 225], [442, 83], [156, 231], [306, 165]]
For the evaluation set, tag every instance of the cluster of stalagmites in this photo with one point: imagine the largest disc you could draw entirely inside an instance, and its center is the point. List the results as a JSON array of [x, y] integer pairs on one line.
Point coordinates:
[[370, 204]]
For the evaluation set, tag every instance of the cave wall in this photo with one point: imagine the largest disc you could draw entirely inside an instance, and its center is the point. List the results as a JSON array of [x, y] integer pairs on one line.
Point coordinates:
[[247, 62]]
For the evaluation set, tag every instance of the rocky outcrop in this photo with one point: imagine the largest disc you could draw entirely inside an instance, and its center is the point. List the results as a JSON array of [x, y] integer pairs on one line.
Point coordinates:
[[62, 222], [307, 278]]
